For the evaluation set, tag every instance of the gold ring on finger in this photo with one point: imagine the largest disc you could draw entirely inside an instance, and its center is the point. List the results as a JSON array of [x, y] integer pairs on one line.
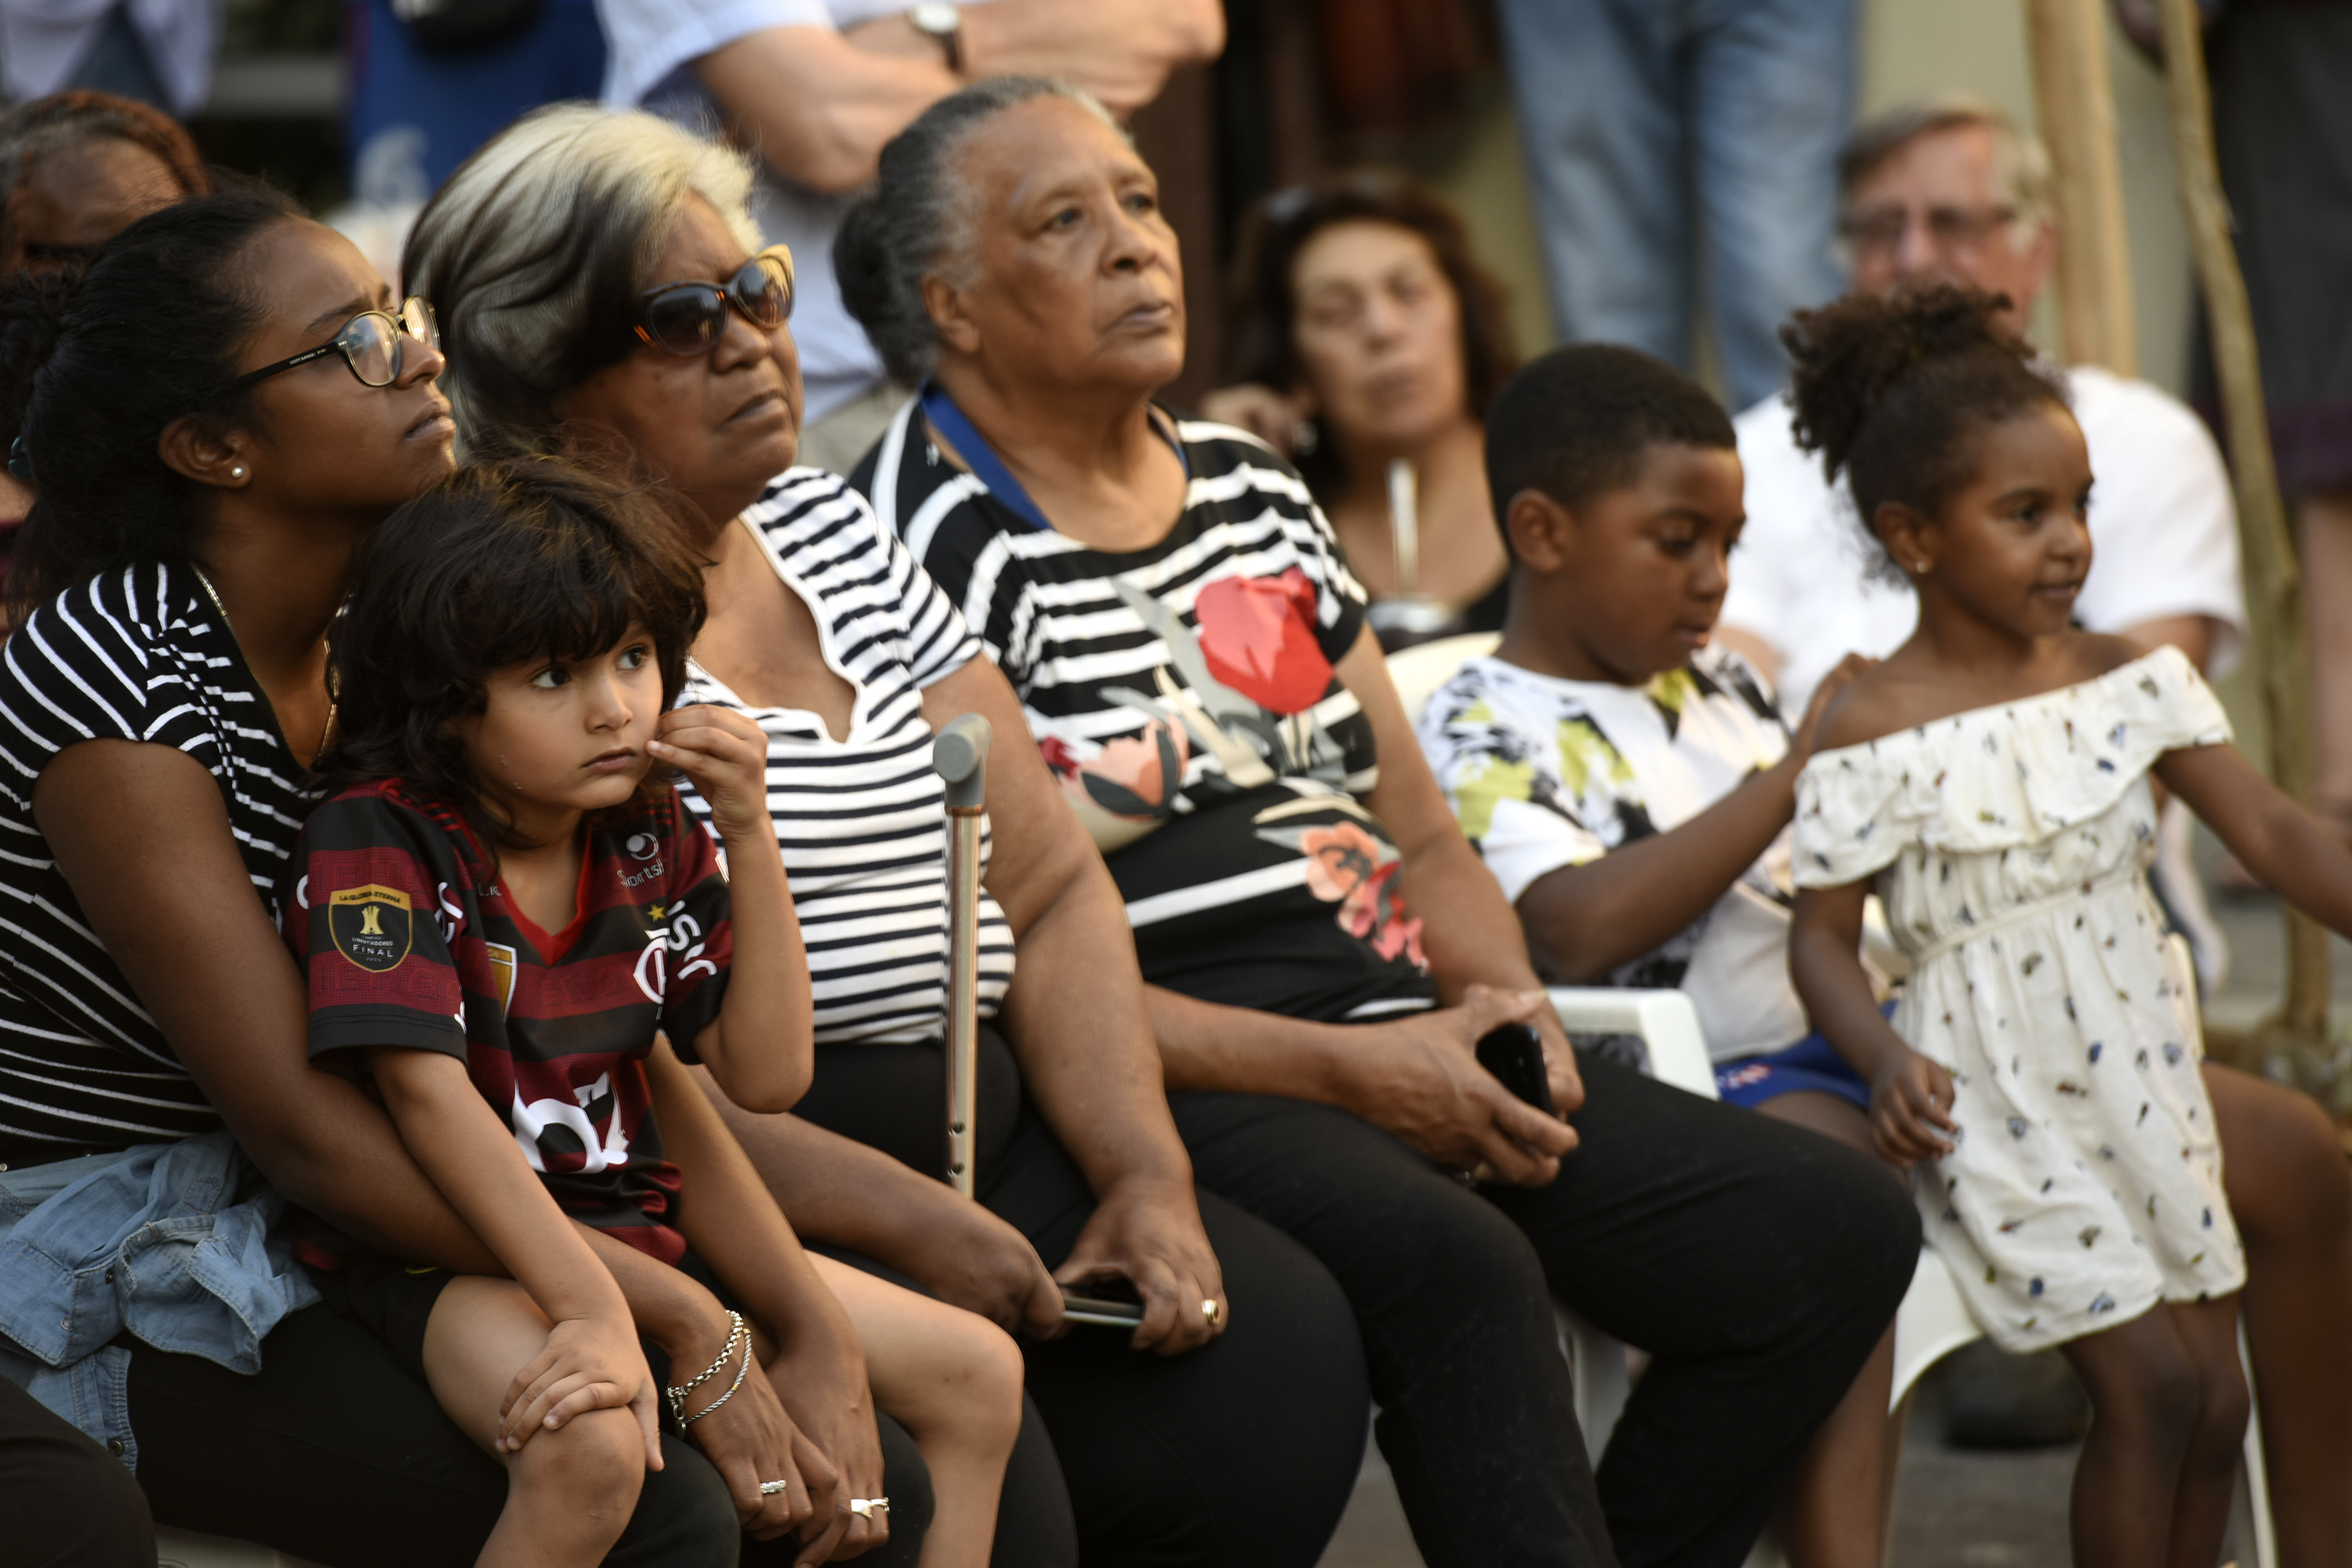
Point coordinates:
[[1214, 1311], [867, 1507]]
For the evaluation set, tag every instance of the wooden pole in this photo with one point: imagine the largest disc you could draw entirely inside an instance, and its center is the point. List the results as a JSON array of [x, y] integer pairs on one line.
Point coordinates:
[[2075, 103], [2294, 1037]]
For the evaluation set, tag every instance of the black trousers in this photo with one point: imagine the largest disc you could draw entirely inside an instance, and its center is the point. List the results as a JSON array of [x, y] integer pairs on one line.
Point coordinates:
[[1757, 1262], [68, 1503], [334, 1453], [1240, 1455]]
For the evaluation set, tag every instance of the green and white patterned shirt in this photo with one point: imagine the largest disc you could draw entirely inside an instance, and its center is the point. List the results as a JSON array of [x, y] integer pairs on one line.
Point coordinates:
[[1544, 773]]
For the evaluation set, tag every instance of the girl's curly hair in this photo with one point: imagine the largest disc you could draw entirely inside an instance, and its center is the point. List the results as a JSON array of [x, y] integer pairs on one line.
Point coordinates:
[[1889, 390], [504, 561]]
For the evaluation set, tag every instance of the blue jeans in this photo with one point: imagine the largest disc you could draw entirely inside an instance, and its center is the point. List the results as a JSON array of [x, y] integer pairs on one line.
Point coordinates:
[[1648, 124]]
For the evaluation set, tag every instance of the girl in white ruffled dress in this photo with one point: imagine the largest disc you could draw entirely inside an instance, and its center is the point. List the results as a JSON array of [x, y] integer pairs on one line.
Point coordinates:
[[1990, 780]]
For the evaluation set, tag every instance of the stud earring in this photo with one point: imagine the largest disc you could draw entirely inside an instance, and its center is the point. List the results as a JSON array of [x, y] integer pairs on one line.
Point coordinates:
[[1924, 567], [236, 471]]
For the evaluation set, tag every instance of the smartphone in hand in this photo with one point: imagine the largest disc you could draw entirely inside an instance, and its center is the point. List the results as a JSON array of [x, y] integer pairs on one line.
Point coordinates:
[[1514, 1054], [1110, 1303]]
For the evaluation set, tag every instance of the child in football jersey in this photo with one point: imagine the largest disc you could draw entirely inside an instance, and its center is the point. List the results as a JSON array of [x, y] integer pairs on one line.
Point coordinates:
[[513, 927]]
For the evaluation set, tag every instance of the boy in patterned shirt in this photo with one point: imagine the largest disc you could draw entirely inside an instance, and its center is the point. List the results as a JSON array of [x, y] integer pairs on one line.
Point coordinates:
[[502, 908], [1631, 785]]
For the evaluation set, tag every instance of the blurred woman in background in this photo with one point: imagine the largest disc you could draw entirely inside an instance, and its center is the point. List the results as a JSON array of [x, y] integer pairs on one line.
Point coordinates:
[[1365, 336], [76, 170]]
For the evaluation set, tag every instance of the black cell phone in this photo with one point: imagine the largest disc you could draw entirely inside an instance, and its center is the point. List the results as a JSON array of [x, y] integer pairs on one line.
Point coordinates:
[[1514, 1054], [1110, 1303]]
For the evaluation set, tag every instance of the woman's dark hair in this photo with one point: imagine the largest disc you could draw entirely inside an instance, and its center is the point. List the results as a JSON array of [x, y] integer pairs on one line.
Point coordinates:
[[1262, 342], [96, 363], [1889, 389], [917, 218], [501, 563], [31, 131]]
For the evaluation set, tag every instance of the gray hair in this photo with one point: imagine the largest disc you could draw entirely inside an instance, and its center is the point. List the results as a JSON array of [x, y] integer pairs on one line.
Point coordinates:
[[2020, 164], [921, 218], [535, 252]]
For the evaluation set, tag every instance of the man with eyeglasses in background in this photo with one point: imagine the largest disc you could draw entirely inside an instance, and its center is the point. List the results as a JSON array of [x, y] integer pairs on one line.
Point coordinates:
[[1952, 190]]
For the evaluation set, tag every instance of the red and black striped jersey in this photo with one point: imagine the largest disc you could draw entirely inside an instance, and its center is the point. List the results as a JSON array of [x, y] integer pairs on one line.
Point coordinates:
[[409, 940]]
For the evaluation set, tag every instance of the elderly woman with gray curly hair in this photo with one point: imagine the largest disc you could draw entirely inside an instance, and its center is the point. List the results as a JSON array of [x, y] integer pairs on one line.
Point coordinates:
[[601, 290], [1322, 947]]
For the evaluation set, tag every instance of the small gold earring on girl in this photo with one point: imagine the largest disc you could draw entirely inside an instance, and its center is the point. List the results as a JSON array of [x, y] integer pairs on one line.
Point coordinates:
[[1924, 567]]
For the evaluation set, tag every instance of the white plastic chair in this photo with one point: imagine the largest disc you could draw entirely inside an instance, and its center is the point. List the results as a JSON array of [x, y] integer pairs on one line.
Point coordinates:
[[1417, 673]]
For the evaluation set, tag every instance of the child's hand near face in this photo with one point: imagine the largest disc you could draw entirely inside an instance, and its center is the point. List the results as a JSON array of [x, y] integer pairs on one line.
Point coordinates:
[[1911, 1099], [725, 755]]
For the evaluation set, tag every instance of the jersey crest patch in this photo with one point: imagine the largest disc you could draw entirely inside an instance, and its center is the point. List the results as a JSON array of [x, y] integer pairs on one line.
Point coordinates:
[[370, 925]]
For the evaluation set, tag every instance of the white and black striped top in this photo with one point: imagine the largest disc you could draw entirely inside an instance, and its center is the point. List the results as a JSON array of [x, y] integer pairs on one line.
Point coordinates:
[[137, 655], [863, 819], [1186, 696]]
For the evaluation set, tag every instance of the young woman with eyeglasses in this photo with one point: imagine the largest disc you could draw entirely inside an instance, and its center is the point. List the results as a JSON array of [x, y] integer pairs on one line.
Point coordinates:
[[215, 415]]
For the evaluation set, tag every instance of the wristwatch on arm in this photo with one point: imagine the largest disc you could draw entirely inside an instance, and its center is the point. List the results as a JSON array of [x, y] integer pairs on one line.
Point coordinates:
[[943, 24]]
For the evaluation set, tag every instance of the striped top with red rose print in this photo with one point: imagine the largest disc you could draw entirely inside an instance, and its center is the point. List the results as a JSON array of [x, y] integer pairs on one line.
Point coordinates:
[[1185, 698]]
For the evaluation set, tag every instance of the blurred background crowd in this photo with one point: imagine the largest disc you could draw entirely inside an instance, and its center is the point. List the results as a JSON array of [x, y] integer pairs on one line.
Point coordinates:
[[1384, 207]]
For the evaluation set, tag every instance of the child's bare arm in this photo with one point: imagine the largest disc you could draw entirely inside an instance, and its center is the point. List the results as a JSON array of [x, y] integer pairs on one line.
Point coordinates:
[[761, 1047], [1584, 921], [592, 1361], [1910, 1097], [2290, 853]]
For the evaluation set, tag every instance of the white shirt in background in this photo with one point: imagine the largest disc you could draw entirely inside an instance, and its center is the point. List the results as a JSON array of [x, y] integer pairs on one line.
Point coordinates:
[[2164, 535]]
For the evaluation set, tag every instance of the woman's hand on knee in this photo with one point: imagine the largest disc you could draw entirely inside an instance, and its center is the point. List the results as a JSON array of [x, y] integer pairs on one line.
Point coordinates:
[[1419, 1077]]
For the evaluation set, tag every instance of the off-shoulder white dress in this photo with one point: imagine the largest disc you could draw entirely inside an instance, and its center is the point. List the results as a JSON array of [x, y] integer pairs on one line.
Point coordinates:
[[2009, 845]]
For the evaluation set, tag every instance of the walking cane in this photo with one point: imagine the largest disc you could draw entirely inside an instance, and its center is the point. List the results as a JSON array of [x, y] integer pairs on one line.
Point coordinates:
[[961, 754]]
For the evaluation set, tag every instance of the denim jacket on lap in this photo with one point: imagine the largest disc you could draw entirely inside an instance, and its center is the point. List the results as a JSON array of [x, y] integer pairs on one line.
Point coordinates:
[[180, 1243]]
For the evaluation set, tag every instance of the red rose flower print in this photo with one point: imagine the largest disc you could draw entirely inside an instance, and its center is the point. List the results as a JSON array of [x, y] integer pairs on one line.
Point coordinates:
[[1349, 867], [1257, 636]]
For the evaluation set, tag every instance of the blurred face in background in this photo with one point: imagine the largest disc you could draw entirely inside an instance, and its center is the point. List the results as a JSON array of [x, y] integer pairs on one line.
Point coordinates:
[[77, 197], [1932, 211], [1377, 329]]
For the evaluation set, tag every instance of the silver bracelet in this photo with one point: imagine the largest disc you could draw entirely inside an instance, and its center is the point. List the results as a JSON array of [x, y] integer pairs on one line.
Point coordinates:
[[676, 1396], [741, 1373]]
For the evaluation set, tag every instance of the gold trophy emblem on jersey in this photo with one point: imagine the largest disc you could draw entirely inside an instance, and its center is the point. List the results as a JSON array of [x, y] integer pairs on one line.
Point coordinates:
[[370, 925]]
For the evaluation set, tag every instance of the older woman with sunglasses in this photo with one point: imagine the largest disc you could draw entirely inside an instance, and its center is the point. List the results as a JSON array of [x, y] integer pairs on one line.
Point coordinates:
[[595, 277], [202, 492]]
